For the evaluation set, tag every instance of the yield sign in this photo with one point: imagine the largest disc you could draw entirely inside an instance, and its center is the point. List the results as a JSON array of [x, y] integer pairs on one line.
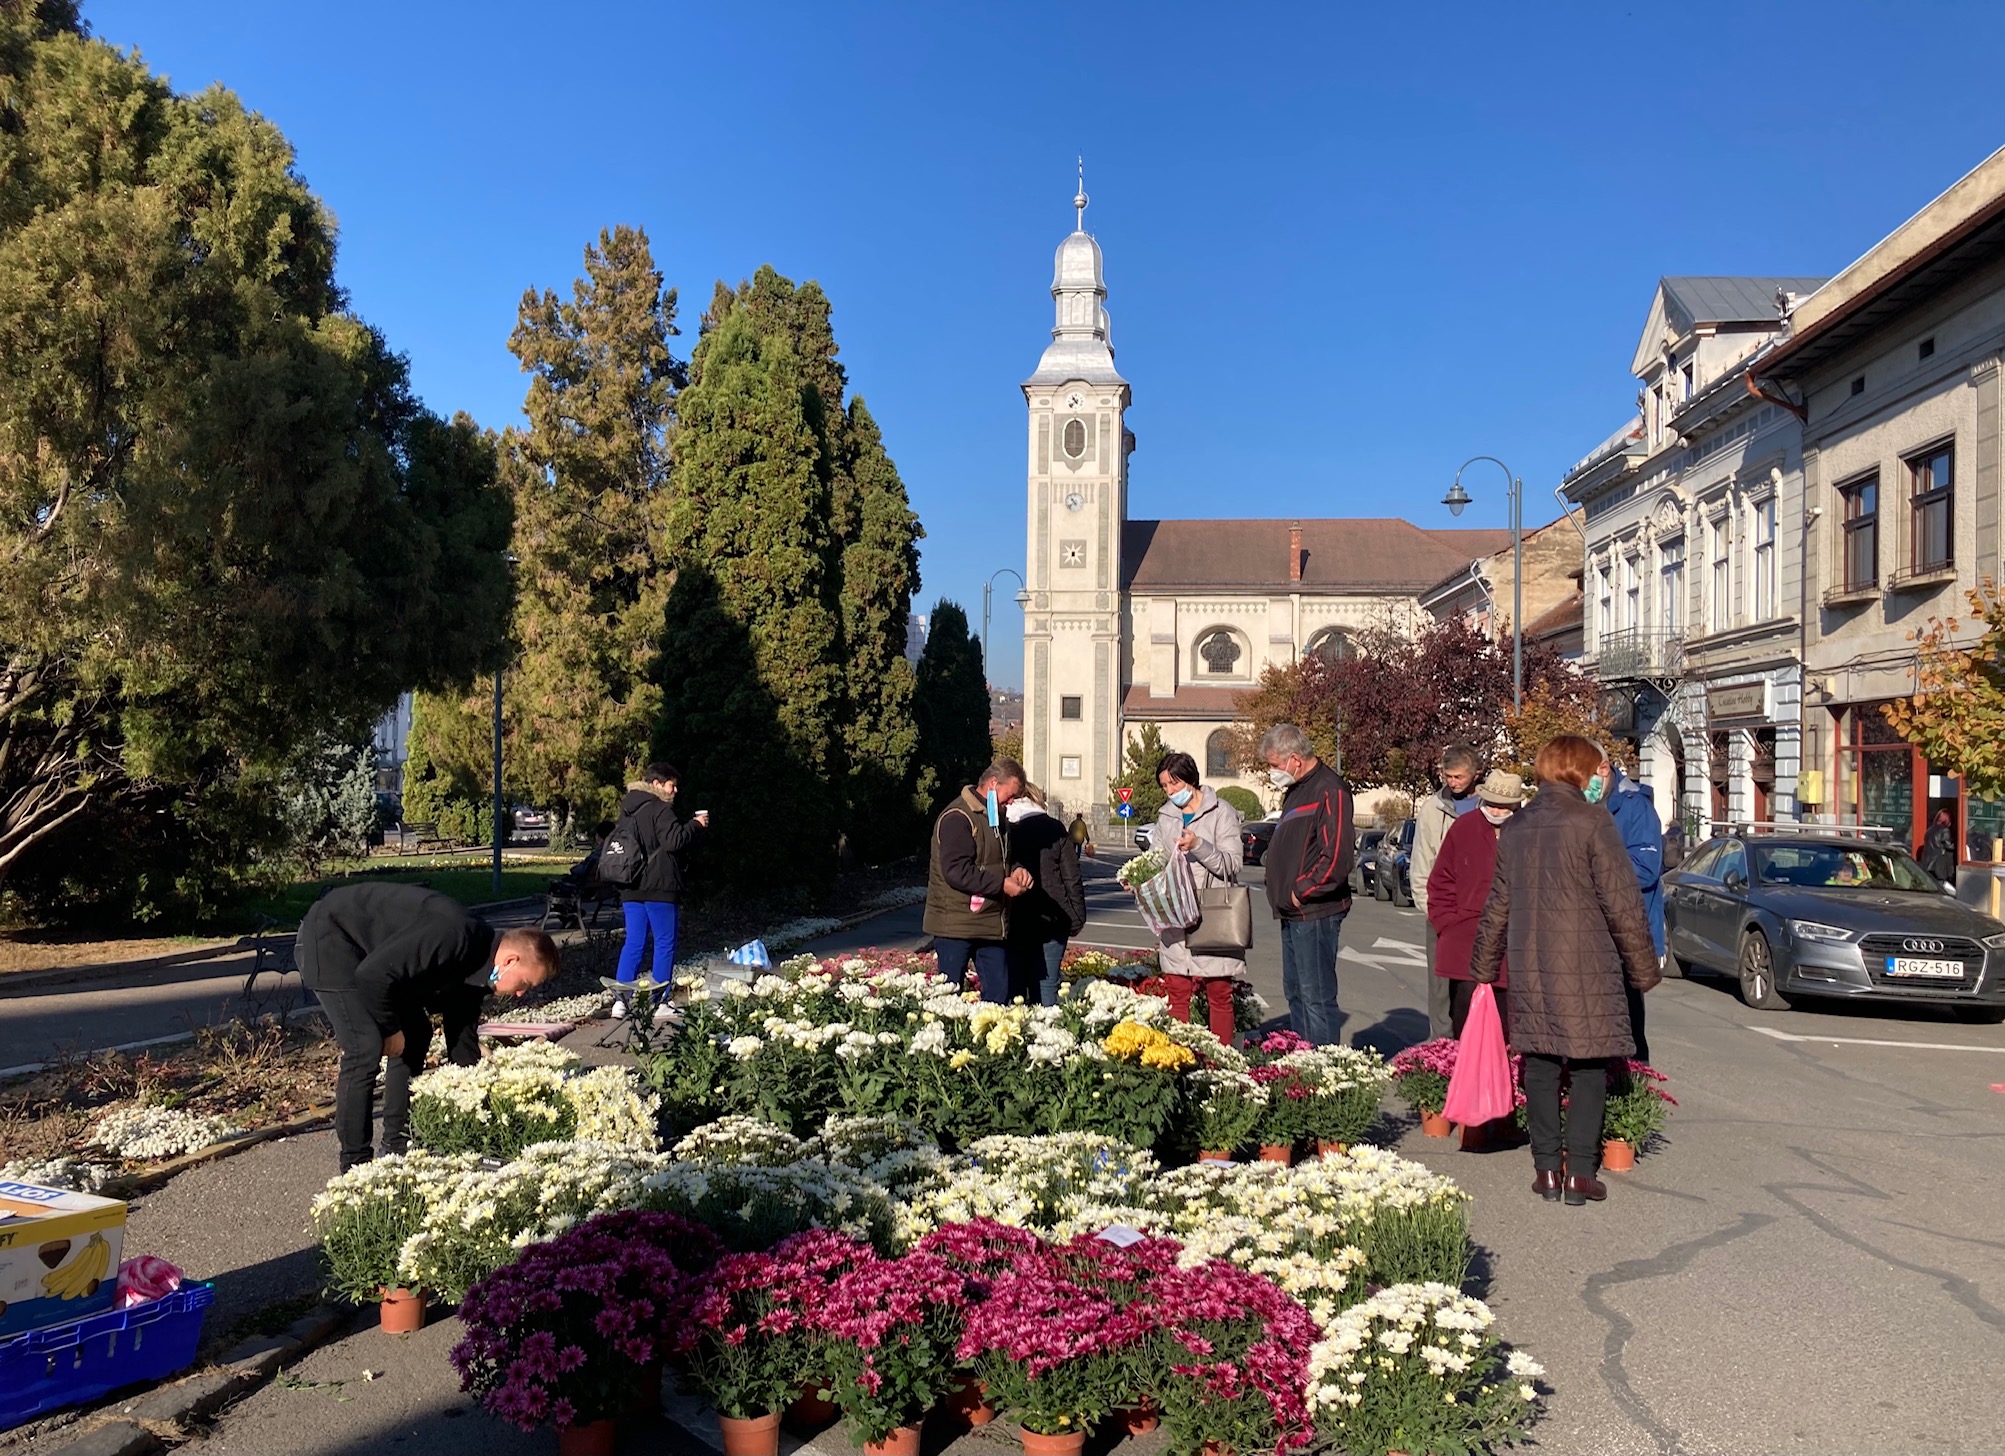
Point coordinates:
[[1126, 794]]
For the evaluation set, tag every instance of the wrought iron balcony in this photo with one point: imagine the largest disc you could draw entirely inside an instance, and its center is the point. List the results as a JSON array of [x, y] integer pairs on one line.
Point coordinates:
[[1640, 654]]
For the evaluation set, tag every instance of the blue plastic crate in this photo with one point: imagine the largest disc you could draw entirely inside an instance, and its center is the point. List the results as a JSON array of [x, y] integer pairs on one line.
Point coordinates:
[[62, 1365]]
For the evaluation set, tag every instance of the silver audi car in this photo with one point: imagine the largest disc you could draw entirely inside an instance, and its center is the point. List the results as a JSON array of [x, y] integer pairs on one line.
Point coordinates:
[[1809, 914]]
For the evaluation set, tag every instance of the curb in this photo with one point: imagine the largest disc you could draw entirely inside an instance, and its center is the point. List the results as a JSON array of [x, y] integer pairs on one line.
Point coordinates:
[[148, 1421]]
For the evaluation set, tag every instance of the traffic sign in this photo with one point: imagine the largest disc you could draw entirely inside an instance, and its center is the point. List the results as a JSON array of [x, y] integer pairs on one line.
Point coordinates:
[[1126, 794], [1126, 811]]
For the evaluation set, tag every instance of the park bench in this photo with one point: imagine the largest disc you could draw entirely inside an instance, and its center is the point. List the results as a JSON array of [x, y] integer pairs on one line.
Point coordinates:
[[569, 905], [274, 951]]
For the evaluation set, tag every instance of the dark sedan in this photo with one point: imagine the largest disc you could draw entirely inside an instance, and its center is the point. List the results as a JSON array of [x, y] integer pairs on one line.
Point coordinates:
[[1796, 915], [1255, 837], [1368, 843], [1391, 871]]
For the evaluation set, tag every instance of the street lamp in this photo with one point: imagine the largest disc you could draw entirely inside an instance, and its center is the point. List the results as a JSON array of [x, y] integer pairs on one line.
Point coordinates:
[[510, 559], [988, 591], [1458, 498]]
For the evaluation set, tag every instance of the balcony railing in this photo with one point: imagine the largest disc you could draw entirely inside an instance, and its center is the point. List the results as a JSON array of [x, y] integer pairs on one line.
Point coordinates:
[[1640, 653]]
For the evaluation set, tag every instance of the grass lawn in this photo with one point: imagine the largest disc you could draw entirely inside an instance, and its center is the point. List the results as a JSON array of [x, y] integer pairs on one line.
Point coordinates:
[[469, 881]]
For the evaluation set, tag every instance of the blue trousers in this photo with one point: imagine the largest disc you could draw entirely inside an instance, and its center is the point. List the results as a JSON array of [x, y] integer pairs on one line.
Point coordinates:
[[1049, 982], [991, 965], [645, 918], [1309, 977]]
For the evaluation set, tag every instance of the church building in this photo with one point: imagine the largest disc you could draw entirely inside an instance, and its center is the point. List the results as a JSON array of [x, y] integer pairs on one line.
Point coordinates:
[[1130, 621]]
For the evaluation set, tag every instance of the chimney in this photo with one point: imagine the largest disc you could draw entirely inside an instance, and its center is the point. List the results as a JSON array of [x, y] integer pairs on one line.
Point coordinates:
[[1295, 552]]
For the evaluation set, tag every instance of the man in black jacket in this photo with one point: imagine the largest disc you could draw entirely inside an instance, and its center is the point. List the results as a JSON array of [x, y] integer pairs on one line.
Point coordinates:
[[1045, 917], [969, 879], [381, 959], [1308, 867]]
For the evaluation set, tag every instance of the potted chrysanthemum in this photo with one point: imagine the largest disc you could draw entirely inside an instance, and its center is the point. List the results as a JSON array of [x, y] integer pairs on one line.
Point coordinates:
[[1634, 1114], [1053, 1351], [892, 1326], [1421, 1074]]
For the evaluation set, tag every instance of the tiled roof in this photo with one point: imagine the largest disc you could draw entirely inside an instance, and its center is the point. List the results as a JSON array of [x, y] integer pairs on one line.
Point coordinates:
[[1567, 616], [1189, 702], [1379, 555]]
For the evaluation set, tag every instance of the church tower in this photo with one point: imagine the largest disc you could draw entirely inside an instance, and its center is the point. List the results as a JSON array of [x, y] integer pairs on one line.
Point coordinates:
[[1072, 625]]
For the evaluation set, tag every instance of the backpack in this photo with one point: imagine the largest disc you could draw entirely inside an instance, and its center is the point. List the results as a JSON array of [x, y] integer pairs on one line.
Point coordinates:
[[623, 860]]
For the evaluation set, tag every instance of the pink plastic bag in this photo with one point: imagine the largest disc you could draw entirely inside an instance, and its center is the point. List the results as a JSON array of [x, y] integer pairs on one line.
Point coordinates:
[[1480, 1089], [145, 1278]]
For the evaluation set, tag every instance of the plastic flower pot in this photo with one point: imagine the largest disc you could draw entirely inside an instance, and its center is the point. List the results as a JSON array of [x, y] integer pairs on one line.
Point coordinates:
[[1435, 1125], [1277, 1153], [1035, 1443], [810, 1412], [968, 1403], [1215, 1155], [403, 1312], [904, 1441], [1325, 1148], [1141, 1419], [595, 1438], [751, 1436], [1617, 1156]]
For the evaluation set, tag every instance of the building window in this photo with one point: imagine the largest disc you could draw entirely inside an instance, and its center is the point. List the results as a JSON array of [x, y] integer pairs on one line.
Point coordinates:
[[1859, 385], [1927, 350], [1220, 653], [1632, 593], [1862, 533], [1068, 767], [1075, 439], [1764, 560], [1218, 755], [1333, 645], [1719, 606], [1656, 413], [1068, 709], [1671, 584], [1688, 381], [1605, 594], [1930, 476]]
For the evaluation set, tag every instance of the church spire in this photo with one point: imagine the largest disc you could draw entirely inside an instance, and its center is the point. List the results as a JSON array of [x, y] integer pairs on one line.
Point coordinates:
[[1080, 199], [1081, 334]]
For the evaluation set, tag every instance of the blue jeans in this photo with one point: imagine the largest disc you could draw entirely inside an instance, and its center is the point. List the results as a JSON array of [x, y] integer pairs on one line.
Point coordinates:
[[645, 918], [1309, 977], [1051, 980], [991, 965]]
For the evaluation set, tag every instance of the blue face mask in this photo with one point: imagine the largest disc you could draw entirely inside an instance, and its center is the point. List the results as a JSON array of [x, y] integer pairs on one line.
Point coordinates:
[[995, 811], [1596, 787], [1180, 798]]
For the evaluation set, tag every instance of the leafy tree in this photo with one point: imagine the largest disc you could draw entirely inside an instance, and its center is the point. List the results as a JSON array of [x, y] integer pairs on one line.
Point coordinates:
[[1298, 692], [1008, 743], [591, 484], [951, 706], [1244, 800], [1141, 754], [227, 524], [449, 766], [1566, 701], [1956, 716]]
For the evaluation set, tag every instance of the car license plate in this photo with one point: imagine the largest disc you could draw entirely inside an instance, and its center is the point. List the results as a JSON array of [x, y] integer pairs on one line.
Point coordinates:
[[1915, 966]]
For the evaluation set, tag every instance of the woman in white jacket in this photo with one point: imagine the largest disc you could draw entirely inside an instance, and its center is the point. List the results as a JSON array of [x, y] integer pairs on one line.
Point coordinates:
[[1209, 830]]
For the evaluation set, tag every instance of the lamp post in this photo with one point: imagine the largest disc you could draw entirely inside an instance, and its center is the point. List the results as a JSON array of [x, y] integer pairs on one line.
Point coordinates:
[[509, 558], [988, 592], [1458, 498]]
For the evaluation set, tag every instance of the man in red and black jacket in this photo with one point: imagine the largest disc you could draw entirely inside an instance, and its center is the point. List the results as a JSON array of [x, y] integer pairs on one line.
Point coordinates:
[[1308, 865]]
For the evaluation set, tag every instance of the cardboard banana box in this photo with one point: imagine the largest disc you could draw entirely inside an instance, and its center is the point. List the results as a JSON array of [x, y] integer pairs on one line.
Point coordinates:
[[59, 1255]]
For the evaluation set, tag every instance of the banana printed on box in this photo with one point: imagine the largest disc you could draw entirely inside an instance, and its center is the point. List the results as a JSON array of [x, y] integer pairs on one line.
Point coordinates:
[[59, 1255]]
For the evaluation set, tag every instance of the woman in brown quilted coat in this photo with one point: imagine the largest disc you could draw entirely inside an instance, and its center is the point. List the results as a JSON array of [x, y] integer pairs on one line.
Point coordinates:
[[1565, 903]]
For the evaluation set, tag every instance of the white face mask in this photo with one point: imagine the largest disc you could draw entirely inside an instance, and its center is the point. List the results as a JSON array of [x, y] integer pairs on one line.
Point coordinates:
[[1021, 809], [1280, 778], [1496, 816]]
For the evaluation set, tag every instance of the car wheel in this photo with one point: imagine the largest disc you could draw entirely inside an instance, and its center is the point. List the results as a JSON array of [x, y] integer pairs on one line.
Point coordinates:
[[1675, 969], [1403, 895], [1380, 890], [1757, 974], [1980, 1015]]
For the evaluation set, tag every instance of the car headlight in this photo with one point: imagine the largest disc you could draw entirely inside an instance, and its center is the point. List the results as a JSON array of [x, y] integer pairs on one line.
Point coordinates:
[[1817, 930], [1996, 941]]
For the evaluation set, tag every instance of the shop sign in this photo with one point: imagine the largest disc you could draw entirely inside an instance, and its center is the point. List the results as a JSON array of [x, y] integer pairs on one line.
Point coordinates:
[[1741, 700]]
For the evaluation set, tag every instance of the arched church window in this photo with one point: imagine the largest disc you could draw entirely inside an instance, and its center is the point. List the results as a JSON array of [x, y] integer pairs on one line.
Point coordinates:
[[1333, 645], [1218, 755], [1220, 653], [1075, 438]]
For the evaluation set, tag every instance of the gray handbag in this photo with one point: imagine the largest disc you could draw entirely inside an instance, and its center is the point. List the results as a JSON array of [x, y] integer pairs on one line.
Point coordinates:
[[1226, 928]]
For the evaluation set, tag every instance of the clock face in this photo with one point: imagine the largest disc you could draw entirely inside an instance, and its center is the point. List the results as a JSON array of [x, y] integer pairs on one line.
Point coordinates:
[[1074, 400], [1075, 501]]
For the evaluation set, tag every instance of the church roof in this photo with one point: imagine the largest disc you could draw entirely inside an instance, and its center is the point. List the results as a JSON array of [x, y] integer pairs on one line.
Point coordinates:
[[1372, 555]]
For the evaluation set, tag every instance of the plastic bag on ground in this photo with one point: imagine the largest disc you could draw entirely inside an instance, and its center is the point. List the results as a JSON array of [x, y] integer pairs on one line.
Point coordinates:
[[145, 1278], [1480, 1088]]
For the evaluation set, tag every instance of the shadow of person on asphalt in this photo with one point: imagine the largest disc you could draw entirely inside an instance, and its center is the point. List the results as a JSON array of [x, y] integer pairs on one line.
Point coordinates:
[[1402, 1027]]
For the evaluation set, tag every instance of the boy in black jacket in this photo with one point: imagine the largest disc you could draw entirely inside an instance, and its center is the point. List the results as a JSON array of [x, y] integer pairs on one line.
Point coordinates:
[[381, 959], [652, 906]]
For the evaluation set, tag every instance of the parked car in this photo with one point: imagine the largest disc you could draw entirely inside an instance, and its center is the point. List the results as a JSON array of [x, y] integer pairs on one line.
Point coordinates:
[[1830, 914], [1145, 835], [1391, 877], [1368, 842], [1256, 836]]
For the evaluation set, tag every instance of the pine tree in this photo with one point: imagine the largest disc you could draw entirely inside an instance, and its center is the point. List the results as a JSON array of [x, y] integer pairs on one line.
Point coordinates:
[[950, 704], [1140, 756], [591, 482]]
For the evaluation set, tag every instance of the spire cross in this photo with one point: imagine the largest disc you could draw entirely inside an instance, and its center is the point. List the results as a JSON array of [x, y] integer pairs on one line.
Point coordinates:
[[1080, 201]]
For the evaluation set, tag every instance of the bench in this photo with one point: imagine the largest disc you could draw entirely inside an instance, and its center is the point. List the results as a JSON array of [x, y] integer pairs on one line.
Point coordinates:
[[274, 951], [568, 904]]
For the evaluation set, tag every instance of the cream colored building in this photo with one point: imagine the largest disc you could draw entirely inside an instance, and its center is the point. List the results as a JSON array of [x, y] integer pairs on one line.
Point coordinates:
[[1128, 621]]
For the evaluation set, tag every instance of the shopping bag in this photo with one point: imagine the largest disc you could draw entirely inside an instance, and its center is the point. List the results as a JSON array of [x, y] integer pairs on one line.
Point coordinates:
[[1169, 901], [1480, 1088]]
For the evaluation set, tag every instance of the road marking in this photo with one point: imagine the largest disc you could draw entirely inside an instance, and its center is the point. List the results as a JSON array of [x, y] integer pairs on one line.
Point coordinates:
[[1419, 950], [1920, 1046]]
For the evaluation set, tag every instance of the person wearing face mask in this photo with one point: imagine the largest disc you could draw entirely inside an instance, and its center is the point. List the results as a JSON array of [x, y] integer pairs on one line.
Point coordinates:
[[969, 881], [1432, 818], [1635, 812], [1209, 830], [1565, 904], [1053, 910], [1458, 887], [1308, 867]]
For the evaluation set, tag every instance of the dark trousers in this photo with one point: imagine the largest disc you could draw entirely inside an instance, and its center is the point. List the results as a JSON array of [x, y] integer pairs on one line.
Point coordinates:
[[991, 961], [1636, 1021], [361, 1046], [1440, 998], [1461, 993], [1577, 1145]]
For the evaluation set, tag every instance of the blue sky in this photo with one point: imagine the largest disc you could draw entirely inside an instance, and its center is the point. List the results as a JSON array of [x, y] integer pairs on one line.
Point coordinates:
[[1346, 249]]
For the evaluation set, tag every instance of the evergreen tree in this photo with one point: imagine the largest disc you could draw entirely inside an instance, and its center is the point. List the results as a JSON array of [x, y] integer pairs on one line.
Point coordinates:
[[950, 705], [1140, 756], [449, 766], [590, 481]]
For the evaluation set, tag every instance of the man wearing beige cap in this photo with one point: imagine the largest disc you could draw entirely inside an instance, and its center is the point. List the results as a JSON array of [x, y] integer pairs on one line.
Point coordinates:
[[1459, 884]]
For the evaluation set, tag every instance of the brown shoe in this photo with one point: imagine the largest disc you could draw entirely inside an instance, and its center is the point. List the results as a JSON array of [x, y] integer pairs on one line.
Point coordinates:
[[1546, 1184], [1581, 1190]]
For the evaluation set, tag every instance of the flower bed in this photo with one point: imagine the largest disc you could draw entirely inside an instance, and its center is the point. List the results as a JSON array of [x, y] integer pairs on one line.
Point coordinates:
[[517, 1096]]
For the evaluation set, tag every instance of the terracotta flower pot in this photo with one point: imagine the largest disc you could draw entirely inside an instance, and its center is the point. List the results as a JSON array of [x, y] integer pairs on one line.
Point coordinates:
[[751, 1436], [1434, 1124], [902, 1442], [1214, 1155], [403, 1311], [1072, 1443], [1217, 1448], [1617, 1156], [1325, 1148], [968, 1404], [1141, 1419], [810, 1412], [1280, 1153], [595, 1438]]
